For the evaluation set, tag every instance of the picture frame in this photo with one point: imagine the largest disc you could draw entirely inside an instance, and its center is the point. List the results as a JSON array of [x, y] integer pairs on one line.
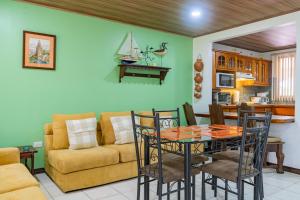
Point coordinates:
[[39, 50]]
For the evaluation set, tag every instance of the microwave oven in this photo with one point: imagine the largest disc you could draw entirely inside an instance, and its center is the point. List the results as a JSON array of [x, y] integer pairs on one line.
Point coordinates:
[[224, 80], [221, 98]]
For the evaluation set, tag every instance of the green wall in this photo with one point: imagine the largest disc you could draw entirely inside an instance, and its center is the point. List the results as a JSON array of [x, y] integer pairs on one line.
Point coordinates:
[[86, 75]]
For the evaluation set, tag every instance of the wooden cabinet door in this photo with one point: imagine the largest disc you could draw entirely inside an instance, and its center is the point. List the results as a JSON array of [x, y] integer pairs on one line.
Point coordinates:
[[230, 62], [265, 72], [248, 65], [220, 61], [256, 71], [240, 64]]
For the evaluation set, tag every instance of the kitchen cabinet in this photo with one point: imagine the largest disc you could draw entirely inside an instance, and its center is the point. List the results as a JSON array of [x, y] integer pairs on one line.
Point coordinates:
[[225, 61], [233, 62]]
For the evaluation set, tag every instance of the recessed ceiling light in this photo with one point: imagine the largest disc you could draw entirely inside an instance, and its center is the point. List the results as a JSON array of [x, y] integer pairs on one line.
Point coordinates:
[[196, 13]]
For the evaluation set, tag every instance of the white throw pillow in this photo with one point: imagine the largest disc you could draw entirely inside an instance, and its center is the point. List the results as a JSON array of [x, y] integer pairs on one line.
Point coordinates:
[[82, 133], [123, 129]]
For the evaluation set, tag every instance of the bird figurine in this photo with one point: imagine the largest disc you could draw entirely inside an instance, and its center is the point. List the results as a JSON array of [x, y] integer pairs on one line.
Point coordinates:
[[163, 49]]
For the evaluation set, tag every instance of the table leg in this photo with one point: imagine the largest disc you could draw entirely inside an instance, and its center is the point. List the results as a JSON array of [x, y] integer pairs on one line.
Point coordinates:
[[146, 162], [32, 164], [187, 171]]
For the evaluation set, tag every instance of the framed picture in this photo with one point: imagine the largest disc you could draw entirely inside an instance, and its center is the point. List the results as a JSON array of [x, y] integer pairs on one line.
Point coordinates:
[[38, 50]]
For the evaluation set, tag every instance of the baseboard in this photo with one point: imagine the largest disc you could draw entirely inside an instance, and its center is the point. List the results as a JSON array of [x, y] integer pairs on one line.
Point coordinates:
[[285, 168], [39, 170]]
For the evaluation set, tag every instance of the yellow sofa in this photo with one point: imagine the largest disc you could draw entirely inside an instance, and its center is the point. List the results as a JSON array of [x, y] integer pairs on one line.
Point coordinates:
[[77, 169], [16, 182]]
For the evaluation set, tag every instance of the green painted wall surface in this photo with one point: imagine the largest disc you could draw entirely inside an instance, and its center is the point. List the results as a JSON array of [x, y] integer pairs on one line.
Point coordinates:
[[86, 75]]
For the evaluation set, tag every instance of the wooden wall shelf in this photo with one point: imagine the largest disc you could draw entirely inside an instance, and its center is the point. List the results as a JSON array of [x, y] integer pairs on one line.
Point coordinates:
[[161, 76]]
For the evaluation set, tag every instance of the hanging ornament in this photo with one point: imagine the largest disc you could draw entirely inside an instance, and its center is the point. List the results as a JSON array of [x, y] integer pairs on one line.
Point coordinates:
[[198, 78], [197, 95], [198, 88], [198, 66]]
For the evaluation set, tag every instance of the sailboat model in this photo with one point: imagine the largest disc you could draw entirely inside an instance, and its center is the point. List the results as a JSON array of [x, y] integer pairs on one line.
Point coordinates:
[[129, 51]]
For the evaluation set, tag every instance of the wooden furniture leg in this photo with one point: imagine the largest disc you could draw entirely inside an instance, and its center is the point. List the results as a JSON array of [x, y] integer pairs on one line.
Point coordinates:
[[280, 158]]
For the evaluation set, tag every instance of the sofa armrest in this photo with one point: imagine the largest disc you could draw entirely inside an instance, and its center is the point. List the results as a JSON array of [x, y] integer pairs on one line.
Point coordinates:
[[9, 155]]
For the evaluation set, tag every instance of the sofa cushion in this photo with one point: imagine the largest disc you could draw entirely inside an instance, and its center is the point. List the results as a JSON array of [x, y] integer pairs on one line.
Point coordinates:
[[82, 133], [9, 155], [60, 134], [28, 193], [108, 136], [68, 160], [126, 151], [150, 122], [14, 177]]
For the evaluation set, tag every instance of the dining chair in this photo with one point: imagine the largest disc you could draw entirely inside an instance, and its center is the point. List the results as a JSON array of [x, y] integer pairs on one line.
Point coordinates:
[[165, 171], [189, 114], [216, 114], [168, 118], [250, 161]]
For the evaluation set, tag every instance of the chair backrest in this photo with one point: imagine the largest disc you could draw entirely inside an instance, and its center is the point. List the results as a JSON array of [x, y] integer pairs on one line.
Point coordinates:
[[216, 114], [189, 114], [242, 109], [152, 135], [168, 118], [253, 144]]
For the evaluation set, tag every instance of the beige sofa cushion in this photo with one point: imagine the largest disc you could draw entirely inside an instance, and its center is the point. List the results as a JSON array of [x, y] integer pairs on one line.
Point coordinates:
[[29, 193], [108, 136], [14, 177], [126, 151], [60, 134], [68, 160]]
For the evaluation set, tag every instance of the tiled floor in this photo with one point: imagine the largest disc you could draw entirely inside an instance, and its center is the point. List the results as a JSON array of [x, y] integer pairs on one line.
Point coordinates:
[[277, 187]]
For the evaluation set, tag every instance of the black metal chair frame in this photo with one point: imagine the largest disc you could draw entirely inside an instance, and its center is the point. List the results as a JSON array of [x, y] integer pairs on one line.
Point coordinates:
[[253, 139], [155, 142]]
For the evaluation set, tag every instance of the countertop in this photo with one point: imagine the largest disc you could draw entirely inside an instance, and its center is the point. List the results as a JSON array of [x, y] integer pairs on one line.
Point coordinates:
[[233, 115]]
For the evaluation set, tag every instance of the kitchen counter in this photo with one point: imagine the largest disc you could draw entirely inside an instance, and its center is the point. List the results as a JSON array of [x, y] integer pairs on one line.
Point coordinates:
[[233, 116], [276, 109]]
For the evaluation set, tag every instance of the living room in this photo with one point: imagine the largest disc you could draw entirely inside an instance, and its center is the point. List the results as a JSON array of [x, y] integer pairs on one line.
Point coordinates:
[[82, 74]]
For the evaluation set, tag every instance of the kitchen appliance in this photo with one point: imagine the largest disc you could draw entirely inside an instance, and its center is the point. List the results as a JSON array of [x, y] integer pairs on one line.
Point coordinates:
[[244, 76], [225, 80], [221, 98], [259, 100]]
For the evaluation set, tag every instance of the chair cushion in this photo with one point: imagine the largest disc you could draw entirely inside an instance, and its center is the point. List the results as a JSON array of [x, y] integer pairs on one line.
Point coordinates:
[[126, 151], [82, 133], [60, 134], [28, 193], [173, 171], [233, 155], [108, 136], [14, 177], [68, 160], [226, 169], [272, 139]]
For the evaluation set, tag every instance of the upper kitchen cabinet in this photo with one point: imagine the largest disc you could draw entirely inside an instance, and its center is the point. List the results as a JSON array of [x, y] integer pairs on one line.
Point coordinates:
[[229, 62], [225, 61]]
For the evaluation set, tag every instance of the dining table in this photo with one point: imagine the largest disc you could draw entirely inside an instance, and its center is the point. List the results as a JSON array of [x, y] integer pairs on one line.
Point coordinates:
[[188, 137]]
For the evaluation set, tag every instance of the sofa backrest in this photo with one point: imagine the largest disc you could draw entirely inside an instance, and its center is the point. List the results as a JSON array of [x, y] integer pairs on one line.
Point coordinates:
[[56, 136], [108, 135]]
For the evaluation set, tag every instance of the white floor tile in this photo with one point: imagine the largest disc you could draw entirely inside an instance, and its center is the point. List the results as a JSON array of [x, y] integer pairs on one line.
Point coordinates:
[[276, 186], [73, 196], [100, 192]]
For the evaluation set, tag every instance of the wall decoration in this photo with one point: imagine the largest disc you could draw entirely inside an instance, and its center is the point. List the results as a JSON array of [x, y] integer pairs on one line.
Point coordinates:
[[198, 67], [129, 51], [163, 50], [39, 50], [147, 55]]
